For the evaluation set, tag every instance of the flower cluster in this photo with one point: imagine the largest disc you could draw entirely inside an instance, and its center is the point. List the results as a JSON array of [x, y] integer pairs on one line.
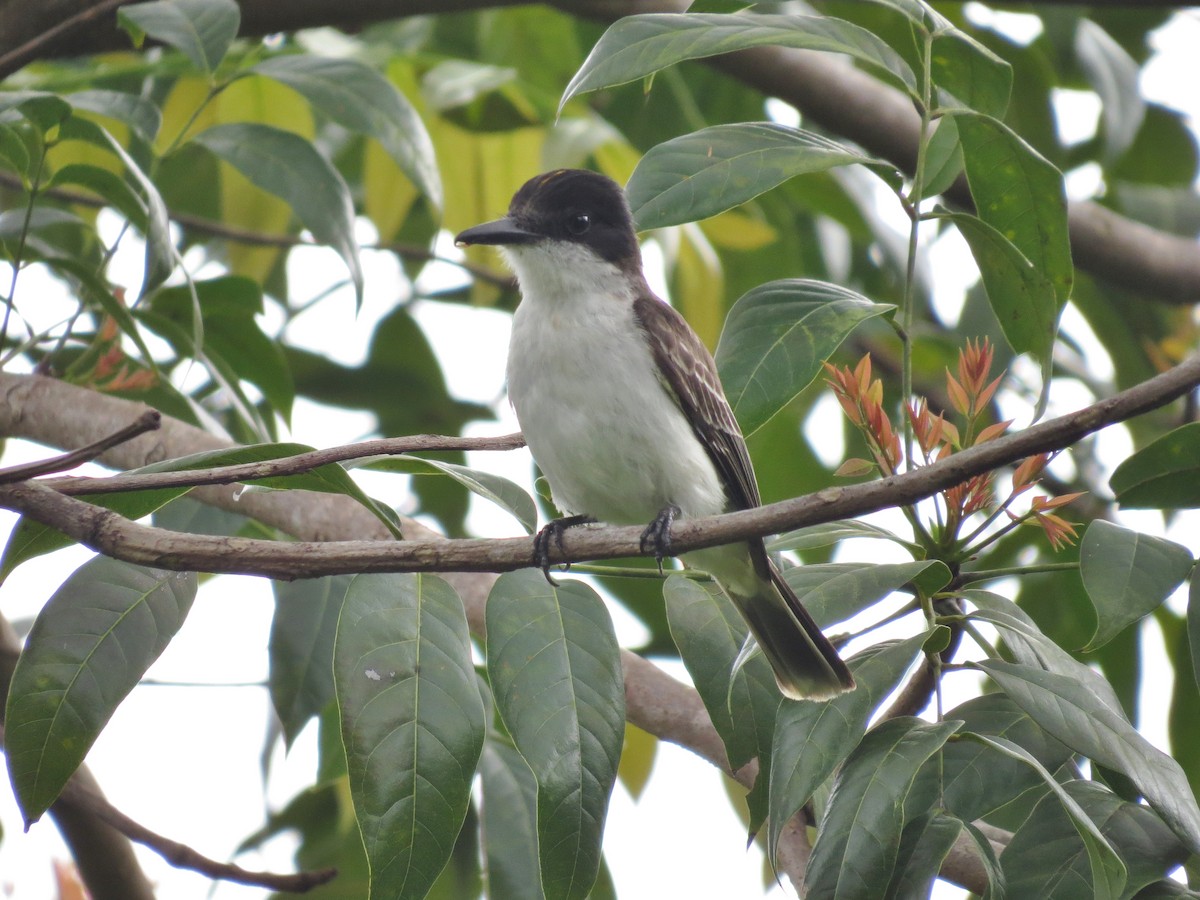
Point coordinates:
[[970, 392]]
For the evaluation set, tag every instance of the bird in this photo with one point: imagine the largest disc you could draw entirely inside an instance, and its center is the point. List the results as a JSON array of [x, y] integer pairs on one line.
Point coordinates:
[[624, 413]]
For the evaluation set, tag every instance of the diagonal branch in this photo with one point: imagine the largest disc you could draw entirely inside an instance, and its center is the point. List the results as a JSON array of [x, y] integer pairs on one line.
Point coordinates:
[[147, 421], [111, 534]]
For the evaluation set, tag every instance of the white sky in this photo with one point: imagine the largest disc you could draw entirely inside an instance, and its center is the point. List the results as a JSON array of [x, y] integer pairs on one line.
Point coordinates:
[[184, 760]]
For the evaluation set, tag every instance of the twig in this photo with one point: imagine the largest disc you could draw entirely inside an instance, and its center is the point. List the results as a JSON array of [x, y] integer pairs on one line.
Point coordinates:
[[28, 51], [184, 857], [115, 536], [150, 420], [274, 468]]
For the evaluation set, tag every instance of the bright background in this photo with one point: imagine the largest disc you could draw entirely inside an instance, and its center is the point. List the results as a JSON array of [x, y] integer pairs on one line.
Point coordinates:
[[204, 709]]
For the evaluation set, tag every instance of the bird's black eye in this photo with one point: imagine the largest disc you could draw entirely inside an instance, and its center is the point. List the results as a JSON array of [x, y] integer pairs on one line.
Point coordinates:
[[579, 224]]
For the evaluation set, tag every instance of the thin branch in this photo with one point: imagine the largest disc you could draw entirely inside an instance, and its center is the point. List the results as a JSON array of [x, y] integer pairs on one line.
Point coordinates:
[[150, 420], [115, 536], [184, 857], [28, 51], [274, 468]]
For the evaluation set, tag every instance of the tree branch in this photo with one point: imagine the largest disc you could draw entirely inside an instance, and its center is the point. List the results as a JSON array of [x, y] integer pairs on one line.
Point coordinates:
[[273, 468], [147, 421], [64, 415], [111, 534], [78, 796]]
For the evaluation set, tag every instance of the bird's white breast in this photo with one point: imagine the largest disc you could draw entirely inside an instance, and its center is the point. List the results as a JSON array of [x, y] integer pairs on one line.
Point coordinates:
[[608, 437]]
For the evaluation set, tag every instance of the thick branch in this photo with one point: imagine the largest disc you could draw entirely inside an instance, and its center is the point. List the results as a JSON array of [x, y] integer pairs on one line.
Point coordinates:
[[115, 536]]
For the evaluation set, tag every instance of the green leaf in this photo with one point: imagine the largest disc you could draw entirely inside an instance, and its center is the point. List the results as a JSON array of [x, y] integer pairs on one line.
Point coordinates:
[[1127, 575], [637, 46], [976, 783], [301, 648], [555, 668], [709, 171], [13, 149], [1031, 647], [41, 109], [412, 724], [1071, 712], [812, 739], [943, 158], [160, 251], [1113, 75], [833, 592], [89, 647], [970, 73], [1165, 474], [1193, 626], [136, 111], [1020, 195], [285, 164], [510, 838], [872, 800], [742, 701], [201, 29], [508, 495], [924, 845], [1108, 872], [30, 539], [1020, 295], [1046, 857], [824, 535], [776, 338], [109, 186], [330, 478], [229, 307], [359, 98]]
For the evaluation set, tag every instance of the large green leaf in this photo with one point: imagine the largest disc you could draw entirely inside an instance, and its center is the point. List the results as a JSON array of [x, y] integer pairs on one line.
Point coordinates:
[[836, 591], [1108, 872], [357, 97], [1113, 74], [709, 171], [924, 844], [285, 164], [1070, 712], [1165, 474], [812, 739], [977, 783], [229, 307], [1020, 195], [510, 838], [873, 798], [1127, 575], [776, 338], [160, 250], [969, 72], [555, 668], [412, 724], [89, 647], [201, 29], [637, 46], [301, 648], [136, 111], [742, 701], [1047, 858], [1020, 294]]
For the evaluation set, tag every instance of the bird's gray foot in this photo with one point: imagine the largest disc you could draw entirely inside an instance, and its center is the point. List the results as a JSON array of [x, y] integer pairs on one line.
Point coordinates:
[[657, 536], [552, 536]]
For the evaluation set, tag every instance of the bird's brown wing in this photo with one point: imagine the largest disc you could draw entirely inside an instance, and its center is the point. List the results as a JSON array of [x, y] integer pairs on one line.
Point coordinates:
[[687, 370]]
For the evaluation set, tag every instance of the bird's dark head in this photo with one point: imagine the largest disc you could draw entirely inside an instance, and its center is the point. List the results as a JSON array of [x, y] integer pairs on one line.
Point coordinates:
[[571, 206]]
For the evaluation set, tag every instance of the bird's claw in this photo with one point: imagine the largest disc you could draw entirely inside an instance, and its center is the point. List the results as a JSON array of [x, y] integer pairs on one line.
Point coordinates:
[[657, 535], [552, 536]]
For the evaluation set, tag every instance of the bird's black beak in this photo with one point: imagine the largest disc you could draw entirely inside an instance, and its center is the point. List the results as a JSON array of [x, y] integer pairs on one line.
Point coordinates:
[[501, 232]]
